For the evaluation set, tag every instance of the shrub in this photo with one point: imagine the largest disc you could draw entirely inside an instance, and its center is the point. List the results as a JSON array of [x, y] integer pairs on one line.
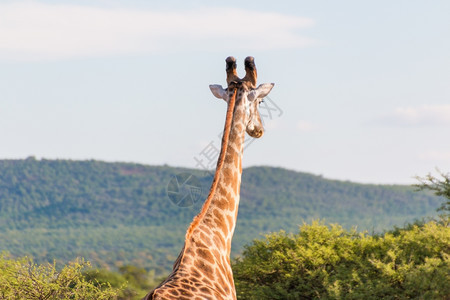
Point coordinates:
[[329, 262], [23, 279]]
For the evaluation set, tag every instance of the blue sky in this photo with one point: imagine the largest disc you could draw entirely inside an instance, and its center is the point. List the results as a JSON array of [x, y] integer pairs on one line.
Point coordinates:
[[362, 88]]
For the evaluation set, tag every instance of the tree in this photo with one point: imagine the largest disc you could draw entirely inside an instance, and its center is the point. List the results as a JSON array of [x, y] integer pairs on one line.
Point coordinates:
[[133, 282], [329, 262], [136, 276], [440, 187], [23, 279]]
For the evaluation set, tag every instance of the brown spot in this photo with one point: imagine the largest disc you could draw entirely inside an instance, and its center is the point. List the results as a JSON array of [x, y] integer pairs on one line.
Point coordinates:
[[222, 203], [230, 276], [222, 191], [231, 204], [205, 254], [206, 239], [189, 287], [229, 159], [196, 274], [205, 290], [220, 280], [222, 271], [227, 176], [225, 228], [230, 220], [186, 259], [205, 269], [219, 241], [219, 288], [186, 293], [174, 292], [238, 127], [238, 116], [205, 229], [231, 156], [169, 285], [216, 253], [226, 288], [207, 221], [206, 281], [200, 244], [233, 136], [218, 223], [219, 215]]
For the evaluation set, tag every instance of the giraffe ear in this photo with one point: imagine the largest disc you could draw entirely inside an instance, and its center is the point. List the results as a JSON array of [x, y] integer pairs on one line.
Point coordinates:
[[261, 91], [218, 91]]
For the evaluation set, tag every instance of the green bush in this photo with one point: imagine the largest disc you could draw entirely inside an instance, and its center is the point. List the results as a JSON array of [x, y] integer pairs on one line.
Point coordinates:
[[133, 282], [23, 279], [329, 262]]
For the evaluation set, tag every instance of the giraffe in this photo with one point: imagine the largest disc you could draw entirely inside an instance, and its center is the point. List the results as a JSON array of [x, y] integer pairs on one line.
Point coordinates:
[[203, 270]]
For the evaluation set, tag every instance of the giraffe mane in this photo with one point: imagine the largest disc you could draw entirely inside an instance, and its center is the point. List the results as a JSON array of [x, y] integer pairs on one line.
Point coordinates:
[[220, 161]]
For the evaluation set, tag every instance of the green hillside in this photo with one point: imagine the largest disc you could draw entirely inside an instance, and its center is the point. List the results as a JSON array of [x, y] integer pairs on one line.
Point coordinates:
[[119, 213]]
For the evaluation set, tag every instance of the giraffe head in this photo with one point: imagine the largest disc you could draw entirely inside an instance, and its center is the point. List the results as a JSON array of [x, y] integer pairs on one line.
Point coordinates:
[[247, 94]]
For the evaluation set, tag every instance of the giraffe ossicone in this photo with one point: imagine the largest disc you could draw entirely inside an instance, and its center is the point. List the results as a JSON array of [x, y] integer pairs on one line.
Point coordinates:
[[202, 269]]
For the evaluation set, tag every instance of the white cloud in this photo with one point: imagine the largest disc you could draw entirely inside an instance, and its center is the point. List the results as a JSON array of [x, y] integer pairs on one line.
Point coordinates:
[[36, 31], [421, 115]]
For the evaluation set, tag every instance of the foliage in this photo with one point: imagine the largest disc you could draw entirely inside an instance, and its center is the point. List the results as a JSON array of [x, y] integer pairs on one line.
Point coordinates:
[[133, 282], [116, 214], [23, 279], [440, 187], [329, 262]]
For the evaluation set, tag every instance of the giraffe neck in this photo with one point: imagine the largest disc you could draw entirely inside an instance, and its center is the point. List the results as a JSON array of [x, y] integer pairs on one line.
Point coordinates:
[[208, 240], [205, 258], [221, 213], [218, 216]]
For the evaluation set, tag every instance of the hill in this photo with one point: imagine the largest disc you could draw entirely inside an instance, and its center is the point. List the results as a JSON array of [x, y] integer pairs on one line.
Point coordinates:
[[120, 213]]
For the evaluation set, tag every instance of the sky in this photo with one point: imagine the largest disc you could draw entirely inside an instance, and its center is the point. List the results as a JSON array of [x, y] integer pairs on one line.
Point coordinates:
[[362, 88]]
